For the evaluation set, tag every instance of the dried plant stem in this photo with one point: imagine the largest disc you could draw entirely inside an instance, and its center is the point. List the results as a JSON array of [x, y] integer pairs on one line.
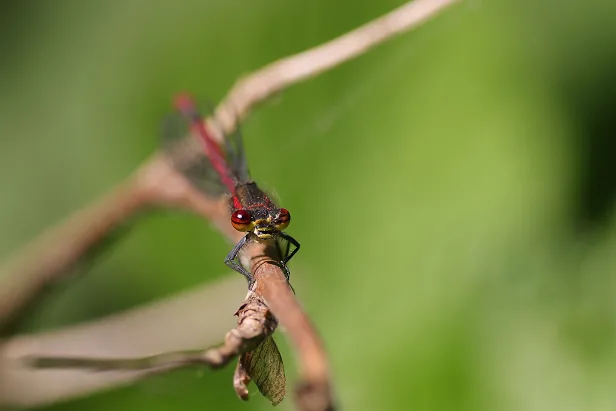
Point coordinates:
[[253, 326], [277, 76], [314, 391], [52, 255], [148, 329], [155, 183]]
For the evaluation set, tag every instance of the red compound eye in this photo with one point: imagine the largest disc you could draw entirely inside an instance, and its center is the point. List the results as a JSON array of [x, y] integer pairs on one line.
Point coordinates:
[[241, 220], [283, 219]]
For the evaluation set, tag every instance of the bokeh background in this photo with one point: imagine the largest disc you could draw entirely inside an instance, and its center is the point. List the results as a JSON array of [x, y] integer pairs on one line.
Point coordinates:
[[453, 189]]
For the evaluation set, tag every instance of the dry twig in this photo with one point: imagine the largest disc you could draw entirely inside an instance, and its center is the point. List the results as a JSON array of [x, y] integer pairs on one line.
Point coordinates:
[[254, 324], [173, 323], [156, 183]]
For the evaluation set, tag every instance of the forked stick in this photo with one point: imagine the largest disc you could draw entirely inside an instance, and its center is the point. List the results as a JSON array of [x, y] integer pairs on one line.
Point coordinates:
[[155, 183]]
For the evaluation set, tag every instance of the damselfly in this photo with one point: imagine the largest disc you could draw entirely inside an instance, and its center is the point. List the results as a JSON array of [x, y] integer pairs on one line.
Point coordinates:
[[251, 210], [218, 169]]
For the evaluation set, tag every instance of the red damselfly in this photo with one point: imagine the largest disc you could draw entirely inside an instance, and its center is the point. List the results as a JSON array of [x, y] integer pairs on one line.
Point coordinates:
[[251, 210], [222, 169], [218, 170]]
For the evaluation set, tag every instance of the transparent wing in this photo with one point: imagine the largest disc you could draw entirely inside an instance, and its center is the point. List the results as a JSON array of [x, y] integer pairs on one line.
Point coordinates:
[[234, 146], [188, 158], [265, 367]]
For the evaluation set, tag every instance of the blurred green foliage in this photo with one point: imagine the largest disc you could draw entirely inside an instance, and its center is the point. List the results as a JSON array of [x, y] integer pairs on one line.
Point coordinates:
[[453, 189]]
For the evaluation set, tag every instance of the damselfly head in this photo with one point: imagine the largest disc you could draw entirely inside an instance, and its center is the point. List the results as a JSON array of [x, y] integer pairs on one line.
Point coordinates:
[[265, 223]]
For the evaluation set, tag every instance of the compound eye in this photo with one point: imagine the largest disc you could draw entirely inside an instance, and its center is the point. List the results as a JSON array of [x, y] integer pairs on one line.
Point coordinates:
[[283, 219], [241, 220]]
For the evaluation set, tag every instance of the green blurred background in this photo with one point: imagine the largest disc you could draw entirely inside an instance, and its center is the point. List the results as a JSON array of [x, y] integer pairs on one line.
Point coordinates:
[[453, 189]]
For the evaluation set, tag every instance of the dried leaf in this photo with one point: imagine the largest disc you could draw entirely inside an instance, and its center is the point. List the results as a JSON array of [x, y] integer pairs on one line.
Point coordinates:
[[265, 367]]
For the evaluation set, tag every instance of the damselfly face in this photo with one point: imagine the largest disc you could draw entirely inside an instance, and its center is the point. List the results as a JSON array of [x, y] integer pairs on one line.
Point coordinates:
[[264, 223], [253, 211]]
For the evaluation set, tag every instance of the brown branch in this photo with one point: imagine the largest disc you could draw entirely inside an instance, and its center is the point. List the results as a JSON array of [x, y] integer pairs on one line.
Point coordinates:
[[156, 183], [50, 257], [314, 391], [256, 320], [254, 324], [173, 323], [279, 75]]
